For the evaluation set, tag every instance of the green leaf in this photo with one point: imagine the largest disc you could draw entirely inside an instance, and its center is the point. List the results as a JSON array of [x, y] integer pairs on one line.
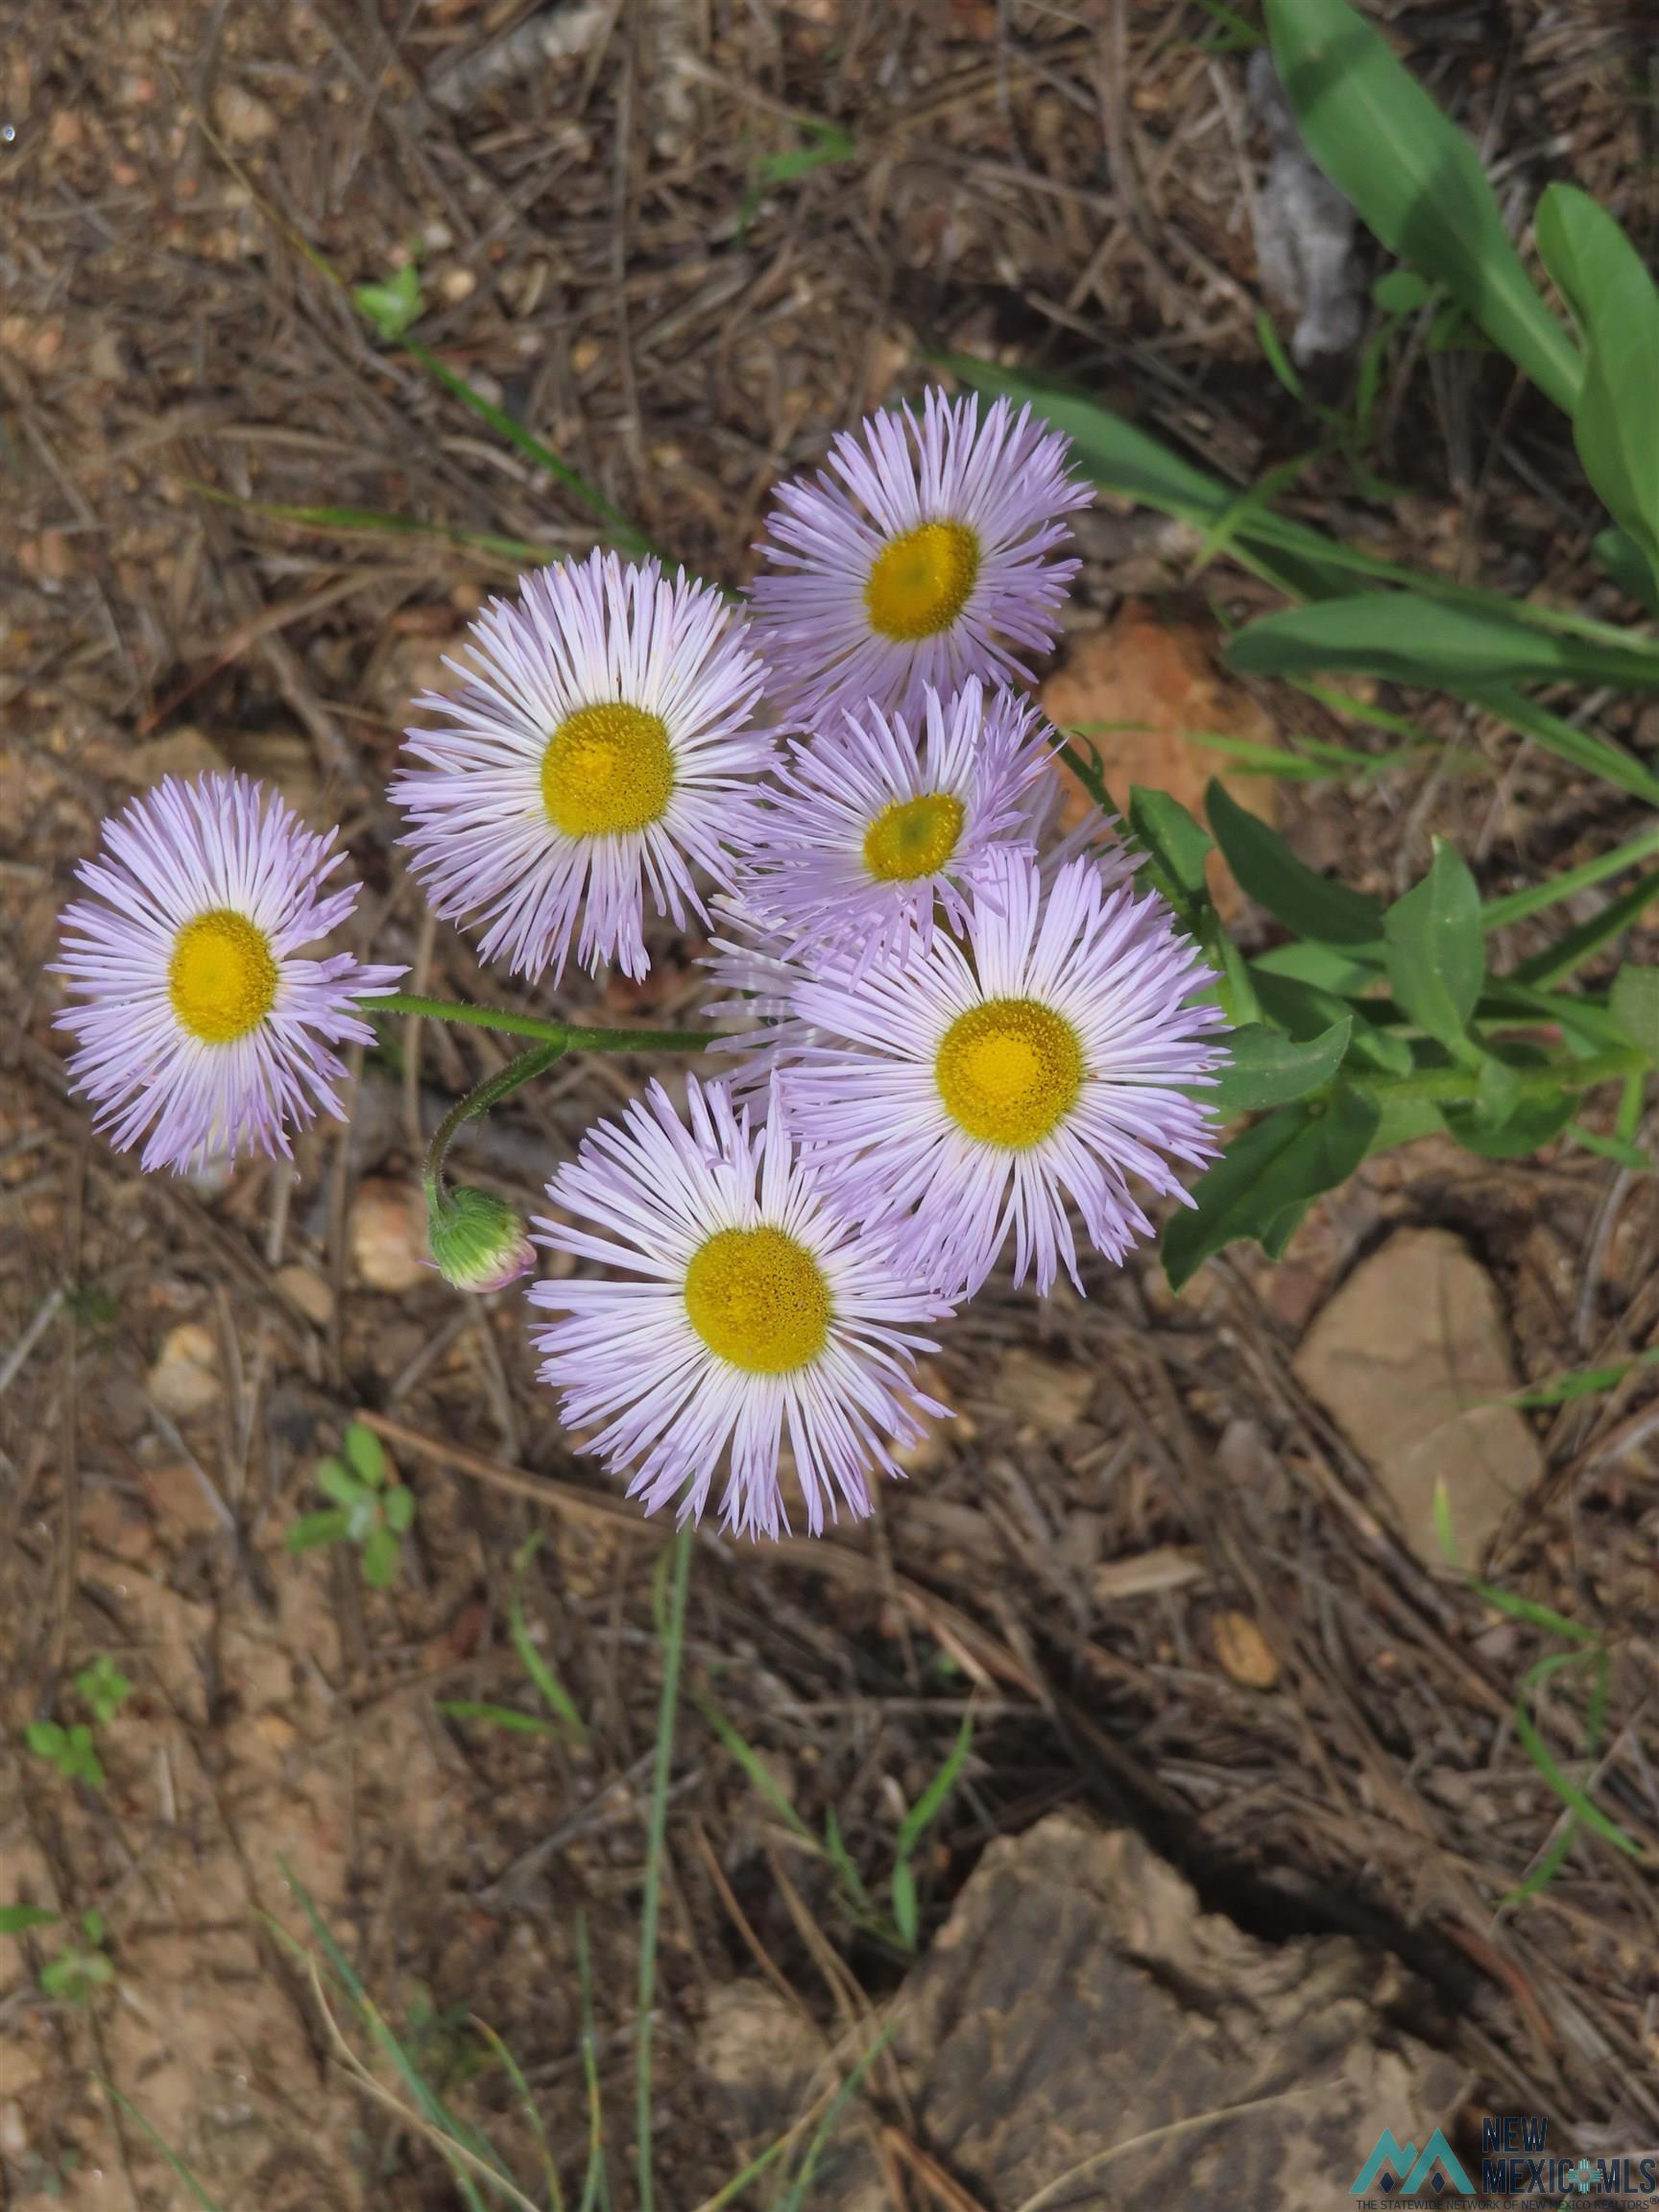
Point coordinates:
[[1581, 1382], [1616, 1148], [1436, 951], [1399, 291], [1271, 873], [1414, 178], [1306, 1011], [1177, 844], [552, 1690], [103, 1689], [1574, 946], [1266, 1066], [17, 1919], [394, 307], [496, 1717], [1629, 568], [336, 1480], [926, 1808], [1403, 1121], [1534, 1121], [905, 1916], [1616, 415], [365, 1453], [313, 1529], [46, 1740], [1432, 641], [1275, 1165], [1344, 972], [1634, 1004], [1538, 1751], [398, 1506], [381, 1552]]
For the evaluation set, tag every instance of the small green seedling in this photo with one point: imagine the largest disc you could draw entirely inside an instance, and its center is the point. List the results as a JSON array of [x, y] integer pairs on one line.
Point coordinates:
[[83, 1966], [71, 1750], [103, 1689], [394, 307], [370, 1508]]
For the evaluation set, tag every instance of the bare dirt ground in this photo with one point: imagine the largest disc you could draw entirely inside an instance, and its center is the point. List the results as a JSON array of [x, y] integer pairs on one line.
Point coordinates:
[[1177, 1592]]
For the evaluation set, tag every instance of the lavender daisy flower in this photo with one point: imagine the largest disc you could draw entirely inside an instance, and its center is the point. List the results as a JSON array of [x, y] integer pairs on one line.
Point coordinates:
[[204, 1032], [744, 1311], [600, 748], [929, 562], [982, 1086], [873, 833]]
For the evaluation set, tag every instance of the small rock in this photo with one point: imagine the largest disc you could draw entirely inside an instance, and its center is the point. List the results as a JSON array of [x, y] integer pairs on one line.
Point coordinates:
[[245, 121], [1410, 1358], [184, 1381], [306, 1291], [1244, 1651], [388, 1235], [1158, 682], [13, 2133], [1052, 1394]]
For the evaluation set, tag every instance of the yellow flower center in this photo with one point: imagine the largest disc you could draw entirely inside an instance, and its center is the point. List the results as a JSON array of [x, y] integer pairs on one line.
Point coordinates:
[[1009, 1070], [913, 837], [759, 1299], [222, 978], [920, 582], [607, 769]]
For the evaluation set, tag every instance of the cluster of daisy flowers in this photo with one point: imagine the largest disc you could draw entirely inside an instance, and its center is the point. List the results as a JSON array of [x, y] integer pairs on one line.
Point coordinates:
[[950, 1035]]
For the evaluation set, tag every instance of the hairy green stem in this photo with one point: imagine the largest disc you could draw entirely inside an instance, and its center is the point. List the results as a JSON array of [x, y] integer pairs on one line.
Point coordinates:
[[656, 1843], [1462, 1083], [569, 1036], [490, 1092]]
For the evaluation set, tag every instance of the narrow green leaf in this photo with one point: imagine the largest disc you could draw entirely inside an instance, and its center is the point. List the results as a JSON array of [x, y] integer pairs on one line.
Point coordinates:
[[1585, 749], [1270, 873], [1436, 953], [1634, 1004], [552, 1690], [761, 1776], [1574, 946], [1536, 1615], [398, 1506], [1567, 1789], [1552, 889], [17, 1919], [1413, 639], [1606, 283], [1414, 178], [496, 1717], [1616, 1148], [1581, 1382], [905, 1916], [336, 1480], [926, 1808], [1342, 970], [1292, 1156], [1267, 1068]]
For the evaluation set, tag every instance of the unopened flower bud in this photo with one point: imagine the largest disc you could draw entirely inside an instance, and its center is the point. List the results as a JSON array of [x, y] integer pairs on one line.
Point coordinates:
[[478, 1243]]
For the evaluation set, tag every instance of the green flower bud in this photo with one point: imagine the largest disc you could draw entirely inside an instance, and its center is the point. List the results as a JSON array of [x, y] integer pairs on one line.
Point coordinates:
[[478, 1243]]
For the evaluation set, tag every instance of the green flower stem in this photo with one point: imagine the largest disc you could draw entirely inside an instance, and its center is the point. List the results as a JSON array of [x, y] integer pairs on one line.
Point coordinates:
[[490, 1092], [568, 1037], [673, 1632], [1459, 1083]]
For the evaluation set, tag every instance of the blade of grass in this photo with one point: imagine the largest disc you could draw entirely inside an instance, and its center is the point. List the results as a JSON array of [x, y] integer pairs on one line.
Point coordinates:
[[1538, 1751], [838, 2104], [656, 1845], [163, 2149], [522, 2089], [1595, 1722], [557, 1697], [626, 533], [1581, 1382], [1516, 906], [754, 1767], [373, 523], [595, 2180], [1545, 970], [496, 1717]]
